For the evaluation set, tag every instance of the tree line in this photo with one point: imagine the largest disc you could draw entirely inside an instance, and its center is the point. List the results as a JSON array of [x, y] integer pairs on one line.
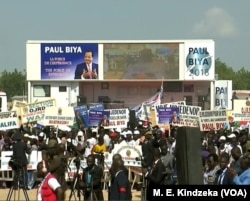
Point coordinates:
[[14, 83]]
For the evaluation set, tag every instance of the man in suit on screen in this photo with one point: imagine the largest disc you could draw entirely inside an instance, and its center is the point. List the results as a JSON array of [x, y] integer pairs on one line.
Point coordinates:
[[87, 69]]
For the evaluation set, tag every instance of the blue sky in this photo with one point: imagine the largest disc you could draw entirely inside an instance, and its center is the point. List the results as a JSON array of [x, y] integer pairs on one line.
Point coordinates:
[[225, 21]]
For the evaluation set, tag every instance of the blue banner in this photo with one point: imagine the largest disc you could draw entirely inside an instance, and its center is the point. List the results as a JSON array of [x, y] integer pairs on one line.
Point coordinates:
[[96, 106], [69, 61], [168, 115], [82, 117], [95, 117]]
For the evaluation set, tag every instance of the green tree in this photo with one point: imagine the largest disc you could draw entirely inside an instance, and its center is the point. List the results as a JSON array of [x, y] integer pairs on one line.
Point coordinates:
[[13, 83], [223, 70], [240, 78]]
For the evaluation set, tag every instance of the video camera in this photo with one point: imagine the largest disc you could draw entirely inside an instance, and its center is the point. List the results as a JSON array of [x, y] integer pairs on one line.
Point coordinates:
[[14, 164]]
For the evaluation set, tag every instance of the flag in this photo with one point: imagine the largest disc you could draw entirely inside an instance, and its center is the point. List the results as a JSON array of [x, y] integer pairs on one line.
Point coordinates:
[[152, 101]]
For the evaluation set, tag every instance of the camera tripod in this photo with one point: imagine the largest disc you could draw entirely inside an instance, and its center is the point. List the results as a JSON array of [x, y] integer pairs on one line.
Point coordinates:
[[144, 189], [92, 196], [19, 181], [75, 184]]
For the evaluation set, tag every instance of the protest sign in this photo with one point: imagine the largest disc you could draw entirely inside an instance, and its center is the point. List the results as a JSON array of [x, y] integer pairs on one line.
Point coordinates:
[[115, 118], [36, 111], [57, 116], [9, 120], [188, 115], [212, 119]]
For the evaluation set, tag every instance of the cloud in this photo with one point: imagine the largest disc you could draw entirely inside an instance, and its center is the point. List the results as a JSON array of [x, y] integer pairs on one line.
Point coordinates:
[[216, 22]]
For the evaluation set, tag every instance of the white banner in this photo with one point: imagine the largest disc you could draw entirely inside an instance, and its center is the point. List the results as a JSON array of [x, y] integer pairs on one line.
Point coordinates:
[[9, 120], [116, 118], [36, 111], [32, 160], [187, 115], [223, 94], [129, 154], [59, 116], [212, 119], [199, 57], [241, 110]]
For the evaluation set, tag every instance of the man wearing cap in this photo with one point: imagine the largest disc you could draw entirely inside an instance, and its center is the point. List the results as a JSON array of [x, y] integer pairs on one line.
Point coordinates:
[[232, 143], [147, 149], [222, 145]]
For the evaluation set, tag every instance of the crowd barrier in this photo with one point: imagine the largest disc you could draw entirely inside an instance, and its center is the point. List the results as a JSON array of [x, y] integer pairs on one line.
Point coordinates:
[[35, 157]]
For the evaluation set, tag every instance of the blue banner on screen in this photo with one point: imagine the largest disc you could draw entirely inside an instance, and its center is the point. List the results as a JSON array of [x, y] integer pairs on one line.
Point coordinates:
[[69, 61]]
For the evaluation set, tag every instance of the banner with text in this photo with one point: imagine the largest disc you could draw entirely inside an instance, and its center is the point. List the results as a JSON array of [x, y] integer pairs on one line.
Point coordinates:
[[36, 111], [223, 94], [131, 155], [32, 160], [167, 115], [82, 117], [95, 117], [145, 111], [241, 110], [188, 115], [57, 116], [69, 61], [115, 118], [212, 119], [9, 120]]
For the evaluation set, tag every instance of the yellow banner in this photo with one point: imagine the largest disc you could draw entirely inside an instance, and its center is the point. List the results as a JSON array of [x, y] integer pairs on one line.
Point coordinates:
[[36, 111]]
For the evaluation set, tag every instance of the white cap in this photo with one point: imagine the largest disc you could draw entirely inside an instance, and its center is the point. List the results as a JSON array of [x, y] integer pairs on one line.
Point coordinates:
[[222, 138], [80, 133], [232, 135], [129, 132], [118, 130], [41, 134], [94, 130], [124, 133], [136, 132]]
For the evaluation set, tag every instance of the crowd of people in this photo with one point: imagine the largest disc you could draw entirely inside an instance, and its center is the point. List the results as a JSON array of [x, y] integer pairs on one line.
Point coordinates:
[[225, 156]]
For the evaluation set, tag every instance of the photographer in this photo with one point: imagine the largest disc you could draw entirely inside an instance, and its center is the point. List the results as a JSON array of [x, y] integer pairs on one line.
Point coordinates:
[[91, 180], [20, 161]]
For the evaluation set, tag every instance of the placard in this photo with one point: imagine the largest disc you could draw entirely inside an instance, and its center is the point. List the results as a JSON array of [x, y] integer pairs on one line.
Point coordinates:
[[129, 154], [58, 116], [36, 111], [213, 119], [188, 115], [9, 120]]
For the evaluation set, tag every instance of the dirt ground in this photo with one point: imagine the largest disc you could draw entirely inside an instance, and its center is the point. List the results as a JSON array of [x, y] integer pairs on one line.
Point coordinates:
[[32, 195]]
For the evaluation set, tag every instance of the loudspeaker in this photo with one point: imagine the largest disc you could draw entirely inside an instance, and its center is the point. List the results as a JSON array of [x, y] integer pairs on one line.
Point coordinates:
[[132, 120], [188, 156]]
